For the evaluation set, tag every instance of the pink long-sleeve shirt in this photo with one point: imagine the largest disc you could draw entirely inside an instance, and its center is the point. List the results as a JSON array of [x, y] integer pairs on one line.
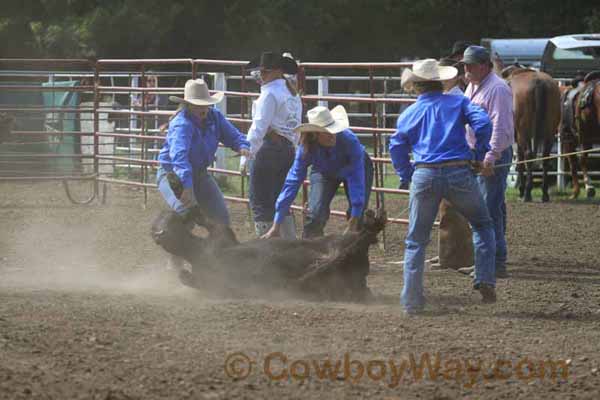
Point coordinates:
[[495, 97]]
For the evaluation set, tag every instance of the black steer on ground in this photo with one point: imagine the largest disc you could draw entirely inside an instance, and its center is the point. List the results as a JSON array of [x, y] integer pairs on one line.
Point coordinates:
[[334, 267]]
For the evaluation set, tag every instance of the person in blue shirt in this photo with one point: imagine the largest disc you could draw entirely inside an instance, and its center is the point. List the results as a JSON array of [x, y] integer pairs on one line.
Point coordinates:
[[194, 133], [433, 128], [336, 156]]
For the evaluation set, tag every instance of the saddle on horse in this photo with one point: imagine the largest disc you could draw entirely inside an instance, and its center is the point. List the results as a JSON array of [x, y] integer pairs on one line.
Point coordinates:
[[577, 99], [567, 124]]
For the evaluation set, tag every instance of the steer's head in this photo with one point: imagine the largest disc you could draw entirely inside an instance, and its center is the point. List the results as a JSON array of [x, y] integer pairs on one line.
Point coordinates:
[[172, 233]]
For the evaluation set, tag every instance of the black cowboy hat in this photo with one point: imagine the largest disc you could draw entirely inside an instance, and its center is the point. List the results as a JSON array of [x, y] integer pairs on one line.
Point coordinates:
[[450, 62], [272, 60], [459, 47]]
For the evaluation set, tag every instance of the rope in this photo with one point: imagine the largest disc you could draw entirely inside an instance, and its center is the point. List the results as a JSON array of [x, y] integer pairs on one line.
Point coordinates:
[[548, 158]]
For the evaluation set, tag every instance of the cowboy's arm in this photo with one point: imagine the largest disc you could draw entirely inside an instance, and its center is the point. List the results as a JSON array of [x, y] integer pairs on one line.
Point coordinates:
[[356, 185], [481, 125], [293, 181], [179, 151], [266, 107], [229, 135], [501, 115], [399, 151]]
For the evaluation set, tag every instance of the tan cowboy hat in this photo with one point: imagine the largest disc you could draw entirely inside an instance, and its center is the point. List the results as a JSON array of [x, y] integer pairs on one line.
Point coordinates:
[[196, 93], [320, 119], [427, 70]]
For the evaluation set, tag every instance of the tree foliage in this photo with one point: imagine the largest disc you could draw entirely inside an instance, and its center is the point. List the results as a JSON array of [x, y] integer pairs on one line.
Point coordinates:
[[332, 30]]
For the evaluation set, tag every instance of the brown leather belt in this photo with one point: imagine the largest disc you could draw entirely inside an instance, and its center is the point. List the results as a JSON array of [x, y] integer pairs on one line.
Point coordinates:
[[457, 163], [275, 137]]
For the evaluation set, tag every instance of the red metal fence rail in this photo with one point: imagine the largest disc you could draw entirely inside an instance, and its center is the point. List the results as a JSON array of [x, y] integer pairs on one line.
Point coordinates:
[[40, 147], [94, 83]]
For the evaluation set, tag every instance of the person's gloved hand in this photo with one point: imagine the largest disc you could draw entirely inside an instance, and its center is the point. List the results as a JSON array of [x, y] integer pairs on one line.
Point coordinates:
[[245, 152], [403, 185], [187, 197], [243, 164], [487, 168]]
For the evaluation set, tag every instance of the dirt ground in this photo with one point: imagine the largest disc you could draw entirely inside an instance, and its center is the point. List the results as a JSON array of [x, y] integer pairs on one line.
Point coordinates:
[[88, 310]]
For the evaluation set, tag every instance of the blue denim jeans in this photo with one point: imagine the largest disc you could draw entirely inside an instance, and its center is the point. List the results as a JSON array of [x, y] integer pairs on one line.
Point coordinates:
[[459, 186], [322, 191], [267, 176], [207, 196], [493, 189]]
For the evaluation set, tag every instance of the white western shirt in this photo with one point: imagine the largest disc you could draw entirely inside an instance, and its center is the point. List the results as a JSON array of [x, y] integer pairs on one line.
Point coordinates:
[[276, 109]]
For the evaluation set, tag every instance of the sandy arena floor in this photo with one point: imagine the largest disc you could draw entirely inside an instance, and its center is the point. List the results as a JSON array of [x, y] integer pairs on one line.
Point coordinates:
[[88, 310]]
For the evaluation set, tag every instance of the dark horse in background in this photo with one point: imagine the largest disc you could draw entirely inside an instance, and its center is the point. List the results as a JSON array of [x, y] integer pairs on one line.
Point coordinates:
[[536, 102], [580, 125]]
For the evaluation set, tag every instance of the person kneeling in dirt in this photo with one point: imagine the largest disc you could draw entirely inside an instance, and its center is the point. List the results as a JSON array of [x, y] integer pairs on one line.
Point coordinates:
[[336, 156], [194, 133], [433, 129]]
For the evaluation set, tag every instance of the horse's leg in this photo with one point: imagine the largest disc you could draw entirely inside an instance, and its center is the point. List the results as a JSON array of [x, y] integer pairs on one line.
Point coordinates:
[[569, 147], [529, 185], [529, 155], [546, 166], [589, 188], [520, 171]]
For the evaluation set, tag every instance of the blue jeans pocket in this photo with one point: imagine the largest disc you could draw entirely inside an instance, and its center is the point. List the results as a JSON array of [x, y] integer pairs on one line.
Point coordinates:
[[422, 183], [462, 182]]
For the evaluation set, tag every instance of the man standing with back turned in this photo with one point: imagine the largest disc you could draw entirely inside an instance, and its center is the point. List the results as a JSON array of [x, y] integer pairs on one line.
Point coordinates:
[[433, 128]]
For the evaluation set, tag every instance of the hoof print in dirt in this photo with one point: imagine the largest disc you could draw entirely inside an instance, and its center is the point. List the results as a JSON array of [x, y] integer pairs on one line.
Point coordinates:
[[334, 267]]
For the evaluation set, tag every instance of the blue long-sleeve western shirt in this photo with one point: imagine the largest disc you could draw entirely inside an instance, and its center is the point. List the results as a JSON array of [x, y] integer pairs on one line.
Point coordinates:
[[434, 129], [344, 161], [191, 144]]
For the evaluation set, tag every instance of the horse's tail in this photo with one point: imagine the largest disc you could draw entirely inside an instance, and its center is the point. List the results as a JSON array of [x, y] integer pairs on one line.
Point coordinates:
[[540, 94]]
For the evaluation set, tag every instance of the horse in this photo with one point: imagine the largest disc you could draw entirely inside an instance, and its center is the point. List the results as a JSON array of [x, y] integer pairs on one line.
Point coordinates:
[[536, 102], [580, 125]]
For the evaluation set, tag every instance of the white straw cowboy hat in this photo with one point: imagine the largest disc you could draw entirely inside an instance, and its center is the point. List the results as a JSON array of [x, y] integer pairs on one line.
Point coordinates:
[[427, 70], [196, 93], [320, 119]]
